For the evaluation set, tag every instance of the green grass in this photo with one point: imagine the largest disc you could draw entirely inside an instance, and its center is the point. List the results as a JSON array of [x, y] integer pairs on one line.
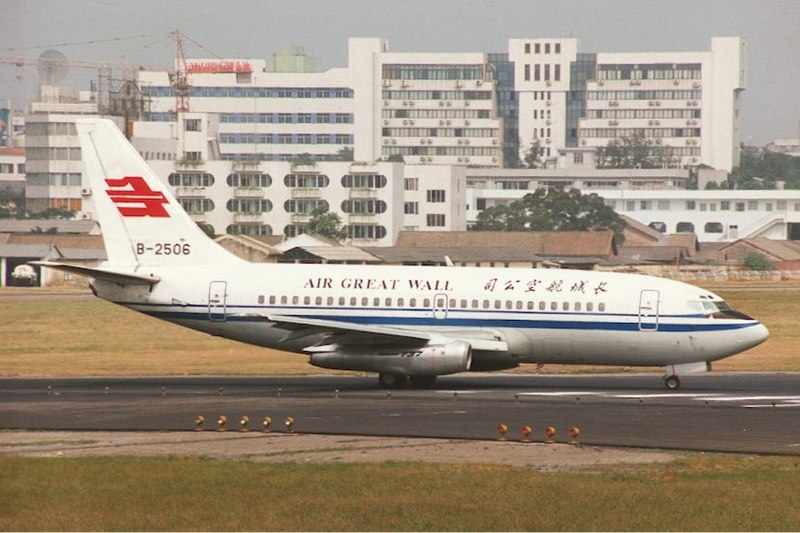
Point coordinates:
[[123, 493]]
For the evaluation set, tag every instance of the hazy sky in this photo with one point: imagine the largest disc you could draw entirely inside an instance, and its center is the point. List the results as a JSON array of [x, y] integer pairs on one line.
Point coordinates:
[[135, 31]]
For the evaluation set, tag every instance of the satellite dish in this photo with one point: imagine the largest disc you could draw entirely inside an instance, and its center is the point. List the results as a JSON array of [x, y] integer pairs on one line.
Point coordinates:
[[53, 67]]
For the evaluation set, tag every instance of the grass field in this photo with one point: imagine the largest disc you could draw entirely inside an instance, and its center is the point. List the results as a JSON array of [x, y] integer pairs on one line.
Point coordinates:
[[91, 337], [163, 494]]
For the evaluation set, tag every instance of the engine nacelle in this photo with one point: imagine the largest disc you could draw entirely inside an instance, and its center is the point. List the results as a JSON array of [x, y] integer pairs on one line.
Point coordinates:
[[430, 360]]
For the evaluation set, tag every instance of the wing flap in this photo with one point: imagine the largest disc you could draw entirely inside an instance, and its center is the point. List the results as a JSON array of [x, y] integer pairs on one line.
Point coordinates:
[[349, 333], [120, 278]]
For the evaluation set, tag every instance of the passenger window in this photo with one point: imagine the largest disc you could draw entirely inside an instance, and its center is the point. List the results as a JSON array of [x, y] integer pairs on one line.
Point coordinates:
[[475, 304], [498, 304], [589, 306], [577, 306], [364, 301], [400, 302], [307, 300], [376, 302], [330, 300], [554, 306], [519, 304], [284, 300], [452, 303], [542, 305], [353, 300], [509, 304], [318, 300], [388, 302], [530, 306], [463, 304], [261, 298], [412, 302], [426, 302], [295, 300], [341, 300], [565, 306], [601, 307], [486, 304]]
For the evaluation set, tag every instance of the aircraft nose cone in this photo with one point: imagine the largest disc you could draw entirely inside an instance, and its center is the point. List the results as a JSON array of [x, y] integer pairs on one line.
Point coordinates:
[[756, 335]]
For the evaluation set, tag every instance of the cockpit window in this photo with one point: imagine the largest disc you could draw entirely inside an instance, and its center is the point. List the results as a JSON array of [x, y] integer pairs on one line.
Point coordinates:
[[721, 309]]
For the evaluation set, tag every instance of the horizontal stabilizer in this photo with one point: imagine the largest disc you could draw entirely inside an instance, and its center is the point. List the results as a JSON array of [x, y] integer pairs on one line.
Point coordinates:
[[99, 273]]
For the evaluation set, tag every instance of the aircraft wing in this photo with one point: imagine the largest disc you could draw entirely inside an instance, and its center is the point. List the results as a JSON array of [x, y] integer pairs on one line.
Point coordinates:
[[99, 273], [353, 333]]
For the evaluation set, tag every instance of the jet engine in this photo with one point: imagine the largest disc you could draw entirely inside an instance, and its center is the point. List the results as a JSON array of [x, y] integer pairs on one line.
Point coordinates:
[[429, 360]]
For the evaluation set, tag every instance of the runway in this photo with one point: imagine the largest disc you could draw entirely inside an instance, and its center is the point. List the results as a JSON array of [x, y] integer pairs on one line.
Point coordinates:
[[752, 412]]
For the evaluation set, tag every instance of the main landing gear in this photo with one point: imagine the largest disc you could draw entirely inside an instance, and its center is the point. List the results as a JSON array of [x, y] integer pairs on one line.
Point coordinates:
[[672, 382], [397, 381]]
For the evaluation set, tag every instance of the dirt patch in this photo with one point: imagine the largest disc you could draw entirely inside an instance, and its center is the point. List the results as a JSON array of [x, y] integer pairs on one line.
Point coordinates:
[[284, 447]]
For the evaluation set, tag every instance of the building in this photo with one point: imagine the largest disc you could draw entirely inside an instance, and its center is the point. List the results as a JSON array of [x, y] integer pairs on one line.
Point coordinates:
[[713, 215], [685, 103], [12, 171]]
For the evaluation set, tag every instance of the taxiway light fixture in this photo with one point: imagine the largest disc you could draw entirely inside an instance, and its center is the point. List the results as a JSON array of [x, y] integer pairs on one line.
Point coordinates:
[[265, 424], [502, 429], [549, 433], [198, 422], [574, 433], [221, 422], [243, 422], [289, 423], [163, 391], [526, 433]]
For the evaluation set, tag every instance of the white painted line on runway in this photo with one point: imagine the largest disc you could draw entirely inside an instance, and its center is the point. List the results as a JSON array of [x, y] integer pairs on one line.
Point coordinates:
[[557, 394]]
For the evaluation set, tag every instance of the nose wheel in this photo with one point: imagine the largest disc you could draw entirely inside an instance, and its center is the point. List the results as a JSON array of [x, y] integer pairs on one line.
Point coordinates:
[[672, 382]]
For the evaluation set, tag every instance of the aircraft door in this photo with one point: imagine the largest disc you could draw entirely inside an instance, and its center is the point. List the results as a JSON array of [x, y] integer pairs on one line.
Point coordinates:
[[217, 301], [440, 306], [648, 310]]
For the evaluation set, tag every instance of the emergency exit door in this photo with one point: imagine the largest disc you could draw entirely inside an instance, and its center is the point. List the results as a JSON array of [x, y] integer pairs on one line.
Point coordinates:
[[648, 310]]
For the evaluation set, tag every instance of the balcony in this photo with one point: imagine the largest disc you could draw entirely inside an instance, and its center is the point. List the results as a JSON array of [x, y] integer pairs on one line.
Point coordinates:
[[301, 218], [247, 217], [190, 192], [359, 192], [248, 192], [306, 192]]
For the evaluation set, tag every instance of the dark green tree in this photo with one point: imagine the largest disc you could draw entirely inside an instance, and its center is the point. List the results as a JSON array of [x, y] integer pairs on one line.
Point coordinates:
[[345, 154], [758, 262], [760, 169], [534, 156], [633, 152], [552, 209], [326, 224]]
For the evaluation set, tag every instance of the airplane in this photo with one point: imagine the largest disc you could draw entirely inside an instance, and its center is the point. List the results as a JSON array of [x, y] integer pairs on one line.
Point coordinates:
[[405, 323]]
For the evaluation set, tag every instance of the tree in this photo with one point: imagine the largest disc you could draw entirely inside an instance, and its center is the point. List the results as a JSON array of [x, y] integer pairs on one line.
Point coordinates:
[[633, 152], [345, 154], [758, 262], [534, 157], [53, 213], [326, 224], [552, 209], [760, 169]]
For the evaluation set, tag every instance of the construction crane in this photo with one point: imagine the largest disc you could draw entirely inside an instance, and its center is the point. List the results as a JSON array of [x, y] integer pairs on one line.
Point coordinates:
[[181, 78]]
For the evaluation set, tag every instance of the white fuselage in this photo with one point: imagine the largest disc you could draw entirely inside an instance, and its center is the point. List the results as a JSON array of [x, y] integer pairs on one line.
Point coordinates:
[[544, 316]]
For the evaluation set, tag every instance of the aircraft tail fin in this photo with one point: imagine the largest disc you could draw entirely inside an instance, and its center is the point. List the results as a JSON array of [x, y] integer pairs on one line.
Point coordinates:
[[141, 221]]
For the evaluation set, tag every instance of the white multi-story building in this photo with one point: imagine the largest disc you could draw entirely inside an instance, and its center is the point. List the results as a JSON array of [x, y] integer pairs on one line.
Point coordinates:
[[716, 215], [685, 103]]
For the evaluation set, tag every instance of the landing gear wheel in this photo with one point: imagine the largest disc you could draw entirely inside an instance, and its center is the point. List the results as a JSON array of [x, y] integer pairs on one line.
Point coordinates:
[[423, 382], [391, 381], [672, 382]]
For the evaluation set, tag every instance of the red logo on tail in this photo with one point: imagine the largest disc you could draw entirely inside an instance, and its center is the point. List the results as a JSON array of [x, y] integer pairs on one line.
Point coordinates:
[[134, 198]]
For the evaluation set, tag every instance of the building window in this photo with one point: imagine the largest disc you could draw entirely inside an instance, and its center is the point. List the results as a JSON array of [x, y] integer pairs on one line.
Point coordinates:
[[725, 205], [658, 226], [411, 184], [411, 208], [435, 221], [714, 227], [527, 73], [527, 48], [685, 227], [691, 205], [435, 196], [192, 124]]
